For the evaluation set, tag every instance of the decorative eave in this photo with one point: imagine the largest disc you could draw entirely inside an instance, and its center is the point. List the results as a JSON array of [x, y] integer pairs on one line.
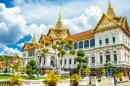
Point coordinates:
[[94, 30], [81, 36]]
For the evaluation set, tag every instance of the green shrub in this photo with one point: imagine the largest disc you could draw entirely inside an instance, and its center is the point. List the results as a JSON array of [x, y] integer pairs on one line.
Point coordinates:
[[79, 65], [81, 53], [79, 59]]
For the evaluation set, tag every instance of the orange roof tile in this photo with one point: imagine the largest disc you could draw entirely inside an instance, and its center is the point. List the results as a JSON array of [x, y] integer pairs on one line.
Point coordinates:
[[37, 46], [78, 35], [28, 45], [47, 37]]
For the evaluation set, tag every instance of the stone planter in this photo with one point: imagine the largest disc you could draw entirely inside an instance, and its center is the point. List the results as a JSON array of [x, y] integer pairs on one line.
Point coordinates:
[[120, 79], [52, 84], [75, 83], [14, 84]]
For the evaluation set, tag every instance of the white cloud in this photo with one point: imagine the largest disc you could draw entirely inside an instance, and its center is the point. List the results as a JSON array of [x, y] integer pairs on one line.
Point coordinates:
[[94, 11], [11, 51], [77, 24], [12, 25], [42, 29], [19, 1], [20, 45]]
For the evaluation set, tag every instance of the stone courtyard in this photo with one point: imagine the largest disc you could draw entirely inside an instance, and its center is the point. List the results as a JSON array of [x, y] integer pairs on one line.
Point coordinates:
[[118, 84]]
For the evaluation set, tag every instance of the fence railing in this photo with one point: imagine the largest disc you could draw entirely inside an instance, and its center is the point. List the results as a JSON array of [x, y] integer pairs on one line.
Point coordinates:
[[5, 82]]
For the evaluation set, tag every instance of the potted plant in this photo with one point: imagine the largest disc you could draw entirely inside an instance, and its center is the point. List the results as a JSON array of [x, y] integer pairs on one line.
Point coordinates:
[[15, 80], [42, 72], [120, 75], [103, 71], [93, 73], [75, 78], [86, 71], [52, 78]]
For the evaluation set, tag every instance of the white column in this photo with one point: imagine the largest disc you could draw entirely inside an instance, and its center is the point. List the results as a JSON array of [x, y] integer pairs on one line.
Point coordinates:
[[41, 61], [77, 45], [83, 45], [89, 59], [89, 44], [104, 56], [47, 62], [112, 56]]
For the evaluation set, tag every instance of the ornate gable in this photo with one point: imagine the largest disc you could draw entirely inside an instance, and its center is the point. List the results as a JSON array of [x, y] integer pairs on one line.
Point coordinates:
[[104, 22]]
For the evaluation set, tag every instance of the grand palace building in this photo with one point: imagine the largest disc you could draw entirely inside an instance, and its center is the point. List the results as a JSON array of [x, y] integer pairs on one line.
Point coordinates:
[[109, 40]]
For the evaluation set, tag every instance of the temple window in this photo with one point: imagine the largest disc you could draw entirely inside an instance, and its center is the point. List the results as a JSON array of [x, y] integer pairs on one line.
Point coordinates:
[[87, 59], [80, 44], [115, 57], [107, 41], [75, 45], [86, 43], [61, 62], [93, 59], [69, 61], [74, 61], [114, 40], [108, 55], [100, 42], [92, 42], [101, 58], [65, 62]]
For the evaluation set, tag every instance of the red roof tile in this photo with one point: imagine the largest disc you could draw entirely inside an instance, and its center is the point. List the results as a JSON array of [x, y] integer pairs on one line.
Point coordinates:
[[78, 35]]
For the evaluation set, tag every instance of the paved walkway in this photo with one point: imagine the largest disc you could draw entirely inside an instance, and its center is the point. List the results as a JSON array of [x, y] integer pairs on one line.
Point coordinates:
[[119, 84]]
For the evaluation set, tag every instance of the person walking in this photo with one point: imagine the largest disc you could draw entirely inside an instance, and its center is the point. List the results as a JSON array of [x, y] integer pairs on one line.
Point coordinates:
[[115, 81]]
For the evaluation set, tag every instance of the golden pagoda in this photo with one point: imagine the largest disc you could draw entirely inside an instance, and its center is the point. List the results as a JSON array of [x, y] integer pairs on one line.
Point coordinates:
[[34, 39], [110, 11], [58, 32]]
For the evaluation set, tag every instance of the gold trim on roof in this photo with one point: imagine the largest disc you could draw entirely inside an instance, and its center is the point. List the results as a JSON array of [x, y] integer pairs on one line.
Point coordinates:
[[110, 11]]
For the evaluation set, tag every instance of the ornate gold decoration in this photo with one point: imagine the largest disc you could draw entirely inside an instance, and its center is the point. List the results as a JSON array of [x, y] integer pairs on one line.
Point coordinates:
[[110, 11], [34, 39]]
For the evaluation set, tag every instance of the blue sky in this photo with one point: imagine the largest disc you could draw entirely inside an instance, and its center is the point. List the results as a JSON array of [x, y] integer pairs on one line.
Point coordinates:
[[19, 18]]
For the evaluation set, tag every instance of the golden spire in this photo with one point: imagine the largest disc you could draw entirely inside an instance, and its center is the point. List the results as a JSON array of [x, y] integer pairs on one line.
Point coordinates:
[[109, 6], [34, 38], [110, 11], [59, 20]]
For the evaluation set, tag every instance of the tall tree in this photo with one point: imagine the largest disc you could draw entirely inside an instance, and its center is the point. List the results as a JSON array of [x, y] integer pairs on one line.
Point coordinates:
[[31, 68], [81, 66], [60, 52]]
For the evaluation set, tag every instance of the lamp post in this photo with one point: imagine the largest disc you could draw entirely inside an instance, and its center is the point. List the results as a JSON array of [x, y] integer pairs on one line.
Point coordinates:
[[6, 61]]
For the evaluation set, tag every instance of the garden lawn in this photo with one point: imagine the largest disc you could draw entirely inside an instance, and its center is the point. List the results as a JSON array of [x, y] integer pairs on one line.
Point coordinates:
[[4, 77], [36, 78]]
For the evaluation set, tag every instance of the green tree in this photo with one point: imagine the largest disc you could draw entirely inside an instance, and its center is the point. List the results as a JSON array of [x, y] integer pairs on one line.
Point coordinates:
[[59, 53], [81, 66], [31, 69], [45, 50], [15, 66]]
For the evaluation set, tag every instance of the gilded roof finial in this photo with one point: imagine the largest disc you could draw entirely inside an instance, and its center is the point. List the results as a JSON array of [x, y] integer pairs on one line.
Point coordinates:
[[109, 5], [35, 32], [59, 20], [110, 11], [34, 38]]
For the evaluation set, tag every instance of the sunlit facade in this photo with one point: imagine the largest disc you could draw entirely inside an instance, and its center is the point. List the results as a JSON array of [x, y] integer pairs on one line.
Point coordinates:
[[109, 40]]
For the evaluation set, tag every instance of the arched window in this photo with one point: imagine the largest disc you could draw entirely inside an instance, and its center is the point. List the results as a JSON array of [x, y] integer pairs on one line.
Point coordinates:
[[92, 42], [71, 47], [108, 56], [80, 44], [75, 45], [86, 43], [107, 52]]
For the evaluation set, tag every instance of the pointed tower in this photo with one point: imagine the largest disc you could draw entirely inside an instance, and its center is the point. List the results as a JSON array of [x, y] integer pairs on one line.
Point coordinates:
[[59, 20], [110, 11], [59, 27], [34, 39]]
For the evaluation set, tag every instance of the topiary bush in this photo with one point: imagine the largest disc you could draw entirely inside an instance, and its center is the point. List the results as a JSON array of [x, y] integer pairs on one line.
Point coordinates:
[[81, 53], [31, 69]]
